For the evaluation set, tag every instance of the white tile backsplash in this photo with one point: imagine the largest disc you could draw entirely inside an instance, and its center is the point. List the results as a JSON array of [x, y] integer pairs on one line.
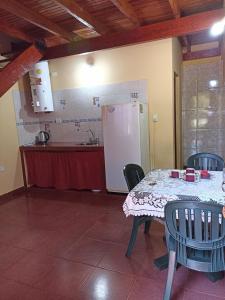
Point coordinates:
[[75, 112]]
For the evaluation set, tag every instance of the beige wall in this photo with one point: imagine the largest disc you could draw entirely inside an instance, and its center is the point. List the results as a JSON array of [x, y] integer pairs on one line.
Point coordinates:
[[151, 61], [11, 178]]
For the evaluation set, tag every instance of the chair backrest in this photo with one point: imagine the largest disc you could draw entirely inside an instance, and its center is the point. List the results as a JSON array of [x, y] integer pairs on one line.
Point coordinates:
[[197, 225], [206, 161], [133, 175]]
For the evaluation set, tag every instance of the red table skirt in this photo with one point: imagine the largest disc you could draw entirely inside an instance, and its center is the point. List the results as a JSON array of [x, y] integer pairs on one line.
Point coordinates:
[[66, 170]]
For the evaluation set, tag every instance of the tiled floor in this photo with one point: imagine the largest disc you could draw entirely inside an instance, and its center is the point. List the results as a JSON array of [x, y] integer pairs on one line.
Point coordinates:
[[71, 245]]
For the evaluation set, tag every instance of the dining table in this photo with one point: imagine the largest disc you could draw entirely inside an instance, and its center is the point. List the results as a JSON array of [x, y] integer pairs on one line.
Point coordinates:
[[150, 195]]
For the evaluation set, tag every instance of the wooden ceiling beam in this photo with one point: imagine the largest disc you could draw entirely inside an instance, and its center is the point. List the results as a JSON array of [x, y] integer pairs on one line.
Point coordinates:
[[177, 13], [127, 9], [22, 11], [19, 67], [201, 54], [79, 13], [15, 32], [152, 32], [175, 8]]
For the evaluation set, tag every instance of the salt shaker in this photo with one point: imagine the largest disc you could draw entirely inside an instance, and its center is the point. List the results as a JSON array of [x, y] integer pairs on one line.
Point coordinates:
[[197, 176]]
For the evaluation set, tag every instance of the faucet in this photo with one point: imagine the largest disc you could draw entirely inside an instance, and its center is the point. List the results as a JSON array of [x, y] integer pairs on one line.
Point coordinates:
[[93, 140], [92, 133]]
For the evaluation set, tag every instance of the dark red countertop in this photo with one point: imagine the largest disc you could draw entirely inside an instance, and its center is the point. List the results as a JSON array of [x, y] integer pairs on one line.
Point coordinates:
[[62, 147]]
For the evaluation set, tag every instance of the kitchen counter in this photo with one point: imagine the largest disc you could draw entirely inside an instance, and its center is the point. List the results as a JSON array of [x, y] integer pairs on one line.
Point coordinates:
[[61, 147], [63, 166]]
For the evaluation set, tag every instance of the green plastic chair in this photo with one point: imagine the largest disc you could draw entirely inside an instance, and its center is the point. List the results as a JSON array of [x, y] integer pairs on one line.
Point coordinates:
[[195, 233], [206, 161], [133, 174]]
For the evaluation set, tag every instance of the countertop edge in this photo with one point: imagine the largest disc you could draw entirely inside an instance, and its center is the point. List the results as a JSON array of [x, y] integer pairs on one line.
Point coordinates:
[[51, 148]]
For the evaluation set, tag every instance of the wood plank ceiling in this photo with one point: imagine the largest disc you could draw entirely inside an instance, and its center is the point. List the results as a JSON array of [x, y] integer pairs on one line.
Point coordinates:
[[83, 22]]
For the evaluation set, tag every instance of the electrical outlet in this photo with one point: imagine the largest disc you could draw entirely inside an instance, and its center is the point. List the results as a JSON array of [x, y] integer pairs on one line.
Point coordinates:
[[96, 101], [2, 168], [155, 118]]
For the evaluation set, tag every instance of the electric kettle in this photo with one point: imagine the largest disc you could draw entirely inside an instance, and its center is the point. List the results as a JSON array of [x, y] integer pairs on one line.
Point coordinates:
[[42, 138]]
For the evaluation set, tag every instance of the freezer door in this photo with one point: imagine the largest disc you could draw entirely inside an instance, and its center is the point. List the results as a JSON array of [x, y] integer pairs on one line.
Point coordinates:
[[121, 130]]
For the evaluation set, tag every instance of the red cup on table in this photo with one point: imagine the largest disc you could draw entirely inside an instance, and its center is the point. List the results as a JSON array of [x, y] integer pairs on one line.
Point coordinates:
[[175, 174], [190, 170], [190, 177], [204, 173]]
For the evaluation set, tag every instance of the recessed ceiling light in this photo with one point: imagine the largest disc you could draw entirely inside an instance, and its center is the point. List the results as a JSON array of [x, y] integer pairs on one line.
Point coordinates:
[[217, 28]]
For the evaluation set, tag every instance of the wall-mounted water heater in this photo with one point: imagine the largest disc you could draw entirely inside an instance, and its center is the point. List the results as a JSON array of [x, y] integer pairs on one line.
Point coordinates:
[[41, 88]]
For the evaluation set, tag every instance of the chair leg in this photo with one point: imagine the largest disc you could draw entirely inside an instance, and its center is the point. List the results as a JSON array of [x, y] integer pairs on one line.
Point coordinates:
[[147, 226], [134, 232], [171, 270], [215, 276]]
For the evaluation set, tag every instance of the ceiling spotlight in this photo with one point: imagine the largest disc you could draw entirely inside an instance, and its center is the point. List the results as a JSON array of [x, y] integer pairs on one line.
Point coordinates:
[[217, 28]]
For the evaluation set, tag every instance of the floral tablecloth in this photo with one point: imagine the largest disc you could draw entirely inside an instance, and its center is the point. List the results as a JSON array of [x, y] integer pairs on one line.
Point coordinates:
[[150, 196]]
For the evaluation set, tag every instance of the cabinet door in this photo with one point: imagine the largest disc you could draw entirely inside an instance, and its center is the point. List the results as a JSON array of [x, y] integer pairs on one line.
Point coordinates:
[[66, 170]]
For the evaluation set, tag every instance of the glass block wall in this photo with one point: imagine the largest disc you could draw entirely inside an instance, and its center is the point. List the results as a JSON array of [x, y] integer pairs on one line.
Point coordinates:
[[203, 109]]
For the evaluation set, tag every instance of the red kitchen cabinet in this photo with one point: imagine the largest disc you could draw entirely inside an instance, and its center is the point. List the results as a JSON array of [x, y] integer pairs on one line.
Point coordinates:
[[64, 166]]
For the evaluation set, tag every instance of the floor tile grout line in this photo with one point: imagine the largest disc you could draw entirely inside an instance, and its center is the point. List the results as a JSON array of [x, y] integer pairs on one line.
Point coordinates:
[[23, 284], [202, 293], [131, 288]]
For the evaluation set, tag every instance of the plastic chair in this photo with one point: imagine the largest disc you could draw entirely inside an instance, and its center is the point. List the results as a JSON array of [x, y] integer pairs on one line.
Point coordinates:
[[206, 161], [133, 175], [195, 234]]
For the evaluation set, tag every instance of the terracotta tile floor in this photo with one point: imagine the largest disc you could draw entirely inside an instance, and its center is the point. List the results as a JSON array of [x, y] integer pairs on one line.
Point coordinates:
[[71, 245]]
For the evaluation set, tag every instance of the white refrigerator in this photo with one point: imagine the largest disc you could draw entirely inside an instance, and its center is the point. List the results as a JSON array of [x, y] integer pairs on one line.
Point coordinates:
[[126, 140]]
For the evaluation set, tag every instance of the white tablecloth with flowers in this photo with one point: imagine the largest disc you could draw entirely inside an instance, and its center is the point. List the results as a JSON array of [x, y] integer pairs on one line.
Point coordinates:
[[150, 196]]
